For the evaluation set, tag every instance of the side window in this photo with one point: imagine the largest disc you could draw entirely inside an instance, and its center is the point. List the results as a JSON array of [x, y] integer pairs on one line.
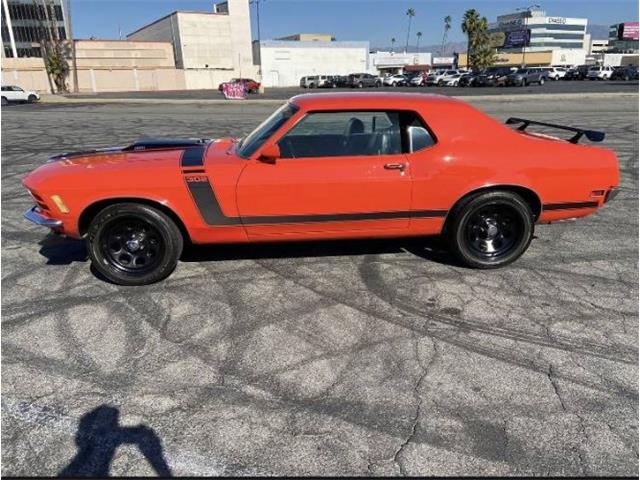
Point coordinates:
[[416, 135], [348, 133]]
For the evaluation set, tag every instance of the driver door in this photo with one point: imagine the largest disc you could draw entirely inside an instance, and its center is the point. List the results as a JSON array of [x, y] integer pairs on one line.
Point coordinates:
[[337, 172]]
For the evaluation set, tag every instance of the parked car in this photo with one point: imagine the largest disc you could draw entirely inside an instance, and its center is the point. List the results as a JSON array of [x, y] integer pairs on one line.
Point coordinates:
[[600, 73], [361, 80], [339, 81], [629, 72], [526, 76], [316, 81], [493, 77], [251, 85], [418, 80], [468, 79], [555, 73], [452, 80], [397, 80], [446, 76], [375, 165], [12, 93], [576, 73]]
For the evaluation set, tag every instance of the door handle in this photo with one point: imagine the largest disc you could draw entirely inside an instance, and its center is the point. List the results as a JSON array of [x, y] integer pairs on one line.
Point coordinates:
[[395, 166]]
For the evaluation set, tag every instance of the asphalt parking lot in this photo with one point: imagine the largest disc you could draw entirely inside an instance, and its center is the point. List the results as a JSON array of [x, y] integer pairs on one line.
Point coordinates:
[[354, 358], [559, 87]]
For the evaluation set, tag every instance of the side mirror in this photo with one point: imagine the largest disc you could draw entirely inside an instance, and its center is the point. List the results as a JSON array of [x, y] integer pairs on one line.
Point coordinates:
[[270, 153]]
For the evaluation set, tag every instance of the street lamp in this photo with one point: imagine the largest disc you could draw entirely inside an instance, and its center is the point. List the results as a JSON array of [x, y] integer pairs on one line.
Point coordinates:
[[526, 18]]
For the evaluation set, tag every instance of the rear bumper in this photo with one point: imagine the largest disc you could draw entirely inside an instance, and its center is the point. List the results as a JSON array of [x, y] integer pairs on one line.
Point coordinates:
[[34, 215]]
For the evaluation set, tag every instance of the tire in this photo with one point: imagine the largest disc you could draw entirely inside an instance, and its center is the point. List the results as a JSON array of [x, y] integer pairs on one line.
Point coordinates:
[[5, 101], [541, 82], [312, 85], [500, 221], [523, 82], [32, 99], [360, 85], [133, 244]]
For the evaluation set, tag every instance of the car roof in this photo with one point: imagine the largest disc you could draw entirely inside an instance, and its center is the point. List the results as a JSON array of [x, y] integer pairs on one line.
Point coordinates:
[[384, 100]]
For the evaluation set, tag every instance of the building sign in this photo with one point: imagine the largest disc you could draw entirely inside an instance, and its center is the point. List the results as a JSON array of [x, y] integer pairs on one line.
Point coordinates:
[[516, 38], [557, 20], [628, 31]]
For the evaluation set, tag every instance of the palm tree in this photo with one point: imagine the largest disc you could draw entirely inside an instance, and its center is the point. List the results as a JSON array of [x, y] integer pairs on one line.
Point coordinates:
[[470, 23], [419, 34], [447, 27], [393, 41], [410, 13]]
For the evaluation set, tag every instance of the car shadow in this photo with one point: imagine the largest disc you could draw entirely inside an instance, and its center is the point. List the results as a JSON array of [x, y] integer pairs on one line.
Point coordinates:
[[430, 248], [59, 250], [98, 437]]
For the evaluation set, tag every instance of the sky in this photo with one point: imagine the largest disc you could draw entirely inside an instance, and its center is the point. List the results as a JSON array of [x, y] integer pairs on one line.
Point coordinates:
[[374, 20]]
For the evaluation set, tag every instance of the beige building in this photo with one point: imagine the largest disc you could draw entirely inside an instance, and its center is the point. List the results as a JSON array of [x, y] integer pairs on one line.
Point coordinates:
[[105, 66], [210, 47], [564, 56]]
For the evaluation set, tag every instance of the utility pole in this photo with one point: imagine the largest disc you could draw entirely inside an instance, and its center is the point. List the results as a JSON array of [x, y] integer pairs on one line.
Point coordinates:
[[526, 35], [73, 48]]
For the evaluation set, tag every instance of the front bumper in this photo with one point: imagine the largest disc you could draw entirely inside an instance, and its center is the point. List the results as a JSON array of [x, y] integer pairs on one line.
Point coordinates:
[[34, 215]]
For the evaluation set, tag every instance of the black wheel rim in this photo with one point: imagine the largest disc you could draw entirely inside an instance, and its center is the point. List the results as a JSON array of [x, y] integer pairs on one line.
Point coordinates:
[[132, 245], [494, 231]]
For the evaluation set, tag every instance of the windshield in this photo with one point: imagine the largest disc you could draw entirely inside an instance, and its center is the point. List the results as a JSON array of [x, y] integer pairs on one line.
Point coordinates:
[[255, 139]]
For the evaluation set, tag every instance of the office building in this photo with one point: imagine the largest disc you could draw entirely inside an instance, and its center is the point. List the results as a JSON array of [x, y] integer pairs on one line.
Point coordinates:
[[25, 24], [535, 31]]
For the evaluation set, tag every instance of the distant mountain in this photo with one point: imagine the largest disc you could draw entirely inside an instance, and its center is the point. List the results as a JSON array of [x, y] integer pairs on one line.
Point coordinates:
[[599, 32], [449, 48]]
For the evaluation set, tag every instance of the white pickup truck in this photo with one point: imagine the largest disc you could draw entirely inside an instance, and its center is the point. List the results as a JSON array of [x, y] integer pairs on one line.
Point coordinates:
[[11, 93]]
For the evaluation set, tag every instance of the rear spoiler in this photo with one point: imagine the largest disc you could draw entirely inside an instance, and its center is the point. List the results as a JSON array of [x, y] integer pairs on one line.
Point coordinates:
[[592, 135]]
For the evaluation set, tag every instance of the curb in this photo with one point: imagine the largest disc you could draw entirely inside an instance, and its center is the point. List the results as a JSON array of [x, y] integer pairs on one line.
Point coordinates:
[[51, 99]]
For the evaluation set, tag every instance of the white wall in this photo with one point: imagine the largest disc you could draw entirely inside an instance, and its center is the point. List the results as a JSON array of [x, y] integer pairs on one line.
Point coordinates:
[[285, 62], [568, 56]]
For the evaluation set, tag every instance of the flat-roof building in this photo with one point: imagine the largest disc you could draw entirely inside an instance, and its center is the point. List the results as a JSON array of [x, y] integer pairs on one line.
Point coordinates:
[[285, 62], [535, 31], [212, 47]]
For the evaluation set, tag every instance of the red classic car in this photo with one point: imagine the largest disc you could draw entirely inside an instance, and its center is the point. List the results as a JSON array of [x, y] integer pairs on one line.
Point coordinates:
[[251, 85], [326, 166]]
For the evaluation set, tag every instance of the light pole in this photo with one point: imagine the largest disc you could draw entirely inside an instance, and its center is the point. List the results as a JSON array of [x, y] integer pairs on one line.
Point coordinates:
[[526, 18]]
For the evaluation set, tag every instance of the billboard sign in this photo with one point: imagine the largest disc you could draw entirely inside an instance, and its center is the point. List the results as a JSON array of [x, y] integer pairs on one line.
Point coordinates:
[[517, 38], [629, 31]]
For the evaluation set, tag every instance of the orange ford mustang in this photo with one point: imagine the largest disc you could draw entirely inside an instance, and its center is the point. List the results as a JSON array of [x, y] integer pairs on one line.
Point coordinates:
[[326, 166]]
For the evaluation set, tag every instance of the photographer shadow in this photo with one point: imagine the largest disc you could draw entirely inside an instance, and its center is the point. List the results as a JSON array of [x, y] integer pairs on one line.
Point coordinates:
[[98, 437]]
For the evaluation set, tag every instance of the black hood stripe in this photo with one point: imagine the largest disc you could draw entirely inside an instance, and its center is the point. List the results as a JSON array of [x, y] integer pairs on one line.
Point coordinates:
[[193, 156]]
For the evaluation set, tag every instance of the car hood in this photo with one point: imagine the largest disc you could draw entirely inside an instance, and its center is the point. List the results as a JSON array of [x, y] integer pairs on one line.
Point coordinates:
[[141, 158]]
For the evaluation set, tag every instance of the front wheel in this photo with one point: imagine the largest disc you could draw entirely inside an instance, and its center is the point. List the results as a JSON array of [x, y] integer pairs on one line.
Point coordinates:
[[490, 230], [32, 98], [5, 101], [133, 244], [541, 82]]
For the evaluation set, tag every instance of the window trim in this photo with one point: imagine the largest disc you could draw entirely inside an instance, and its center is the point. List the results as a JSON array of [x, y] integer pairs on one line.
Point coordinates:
[[403, 135]]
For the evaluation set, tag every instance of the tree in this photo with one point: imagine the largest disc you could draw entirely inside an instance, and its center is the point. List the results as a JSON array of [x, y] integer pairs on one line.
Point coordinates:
[[393, 41], [483, 52], [410, 13], [470, 22], [54, 50], [447, 27], [419, 34]]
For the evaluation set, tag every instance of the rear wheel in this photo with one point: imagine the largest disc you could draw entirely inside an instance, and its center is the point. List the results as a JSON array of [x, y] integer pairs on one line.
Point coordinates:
[[5, 101], [133, 244], [490, 230], [541, 82]]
